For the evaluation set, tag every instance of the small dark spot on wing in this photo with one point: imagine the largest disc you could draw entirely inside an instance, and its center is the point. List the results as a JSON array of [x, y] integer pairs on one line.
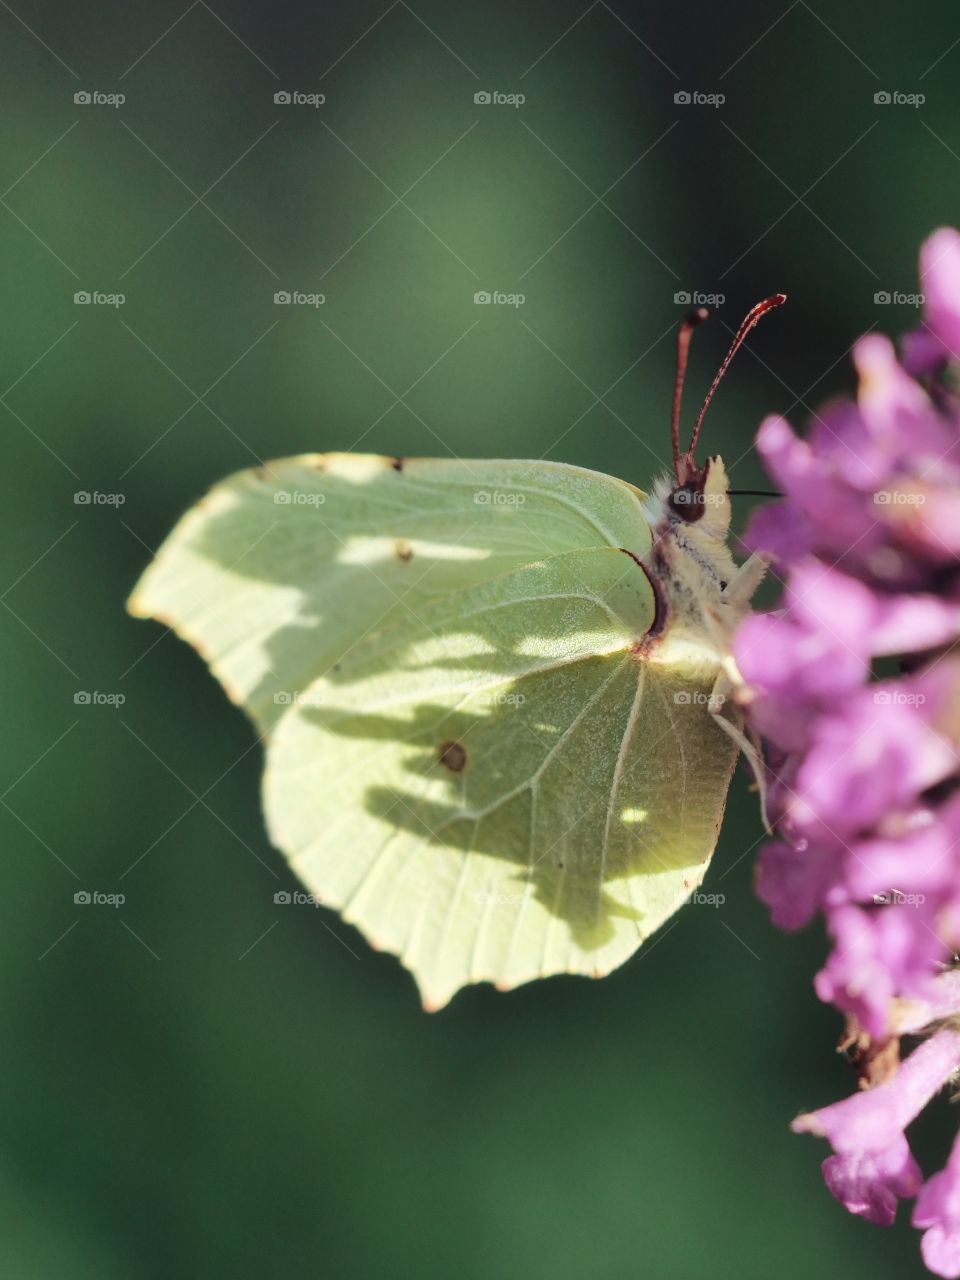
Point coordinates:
[[453, 756], [403, 549], [397, 464]]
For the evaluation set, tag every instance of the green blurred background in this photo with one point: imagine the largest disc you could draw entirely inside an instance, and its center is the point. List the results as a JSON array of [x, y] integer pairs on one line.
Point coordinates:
[[203, 1083]]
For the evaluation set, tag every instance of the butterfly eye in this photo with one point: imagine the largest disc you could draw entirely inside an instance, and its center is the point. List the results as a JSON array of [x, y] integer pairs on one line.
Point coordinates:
[[687, 501]]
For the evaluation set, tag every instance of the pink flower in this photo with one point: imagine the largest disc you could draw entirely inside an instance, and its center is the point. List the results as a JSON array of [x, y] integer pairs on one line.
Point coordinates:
[[939, 339], [863, 774], [872, 1183], [938, 1210], [873, 1167]]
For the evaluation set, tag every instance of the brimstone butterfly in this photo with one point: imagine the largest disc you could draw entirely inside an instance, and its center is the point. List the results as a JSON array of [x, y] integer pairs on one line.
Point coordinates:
[[491, 693]]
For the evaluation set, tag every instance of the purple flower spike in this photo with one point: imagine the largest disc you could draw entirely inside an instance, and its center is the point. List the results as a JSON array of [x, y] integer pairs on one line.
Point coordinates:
[[862, 774]]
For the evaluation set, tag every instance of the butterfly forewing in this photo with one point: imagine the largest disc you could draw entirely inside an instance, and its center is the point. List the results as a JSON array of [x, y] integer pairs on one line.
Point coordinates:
[[278, 571]]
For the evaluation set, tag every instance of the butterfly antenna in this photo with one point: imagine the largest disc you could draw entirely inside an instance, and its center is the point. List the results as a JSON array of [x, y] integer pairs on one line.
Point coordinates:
[[751, 319], [684, 334]]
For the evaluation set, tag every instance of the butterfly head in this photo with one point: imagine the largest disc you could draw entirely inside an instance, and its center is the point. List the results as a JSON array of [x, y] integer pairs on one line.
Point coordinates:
[[699, 494], [698, 489]]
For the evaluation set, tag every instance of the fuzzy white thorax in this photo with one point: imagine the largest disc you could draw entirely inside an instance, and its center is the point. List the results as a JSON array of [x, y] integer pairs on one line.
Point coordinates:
[[696, 575]]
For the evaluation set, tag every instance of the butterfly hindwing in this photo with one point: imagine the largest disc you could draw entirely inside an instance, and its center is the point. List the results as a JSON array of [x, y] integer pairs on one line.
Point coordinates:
[[540, 825]]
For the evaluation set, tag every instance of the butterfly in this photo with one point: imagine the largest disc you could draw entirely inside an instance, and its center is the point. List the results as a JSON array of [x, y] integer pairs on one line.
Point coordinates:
[[493, 694]]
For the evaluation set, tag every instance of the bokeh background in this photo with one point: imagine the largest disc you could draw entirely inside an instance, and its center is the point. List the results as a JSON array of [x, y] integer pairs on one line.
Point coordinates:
[[203, 1083]]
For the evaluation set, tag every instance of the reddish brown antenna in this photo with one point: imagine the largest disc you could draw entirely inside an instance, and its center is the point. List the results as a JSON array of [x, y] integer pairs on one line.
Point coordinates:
[[752, 318], [684, 334]]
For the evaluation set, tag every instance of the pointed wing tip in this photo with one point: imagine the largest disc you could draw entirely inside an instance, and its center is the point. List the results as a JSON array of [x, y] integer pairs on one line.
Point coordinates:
[[432, 1001], [432, 998], [137, 605]]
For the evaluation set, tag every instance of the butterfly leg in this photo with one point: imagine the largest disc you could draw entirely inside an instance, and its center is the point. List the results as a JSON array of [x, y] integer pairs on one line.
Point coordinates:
[[739, 591], [729, 683], [722, 697]]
